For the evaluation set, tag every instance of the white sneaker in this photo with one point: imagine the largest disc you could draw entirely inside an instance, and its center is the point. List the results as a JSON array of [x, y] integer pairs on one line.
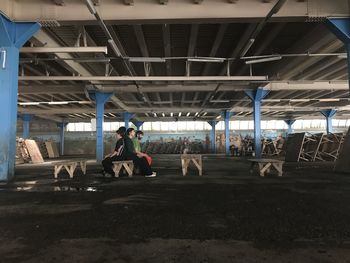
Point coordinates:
[[154, 174]]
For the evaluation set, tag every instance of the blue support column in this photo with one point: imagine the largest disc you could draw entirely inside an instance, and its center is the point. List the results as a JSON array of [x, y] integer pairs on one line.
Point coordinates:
[[341, 28], [227, 115], [138, 124], [26, 118], [100, 98], [329, 114], [13, 36], [213, 136], [290, 124], [62, 127], [256, 96], [127, 117]]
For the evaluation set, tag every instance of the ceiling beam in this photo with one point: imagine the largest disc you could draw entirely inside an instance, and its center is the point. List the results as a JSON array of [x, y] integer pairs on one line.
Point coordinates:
[[236, 51], [144, 78], [214, 49], [142, 43], [167, 47]]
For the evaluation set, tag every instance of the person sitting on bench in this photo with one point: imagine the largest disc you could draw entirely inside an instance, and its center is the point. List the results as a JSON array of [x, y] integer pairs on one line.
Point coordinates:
[[137, 146], [130, 154], [116, 155]]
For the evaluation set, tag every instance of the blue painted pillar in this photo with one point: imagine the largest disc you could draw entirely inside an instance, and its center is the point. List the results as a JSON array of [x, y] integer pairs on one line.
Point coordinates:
[[290, 124], [12, 37], [329, 114], [100, 98], [227, 115], [26, 118], [341, 28], [138, 124], [256, 96], [127, 117], [62, 127], [213, 135]]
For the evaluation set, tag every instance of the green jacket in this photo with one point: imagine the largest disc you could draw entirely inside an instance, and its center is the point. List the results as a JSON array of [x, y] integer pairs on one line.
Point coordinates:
[[137, 145]]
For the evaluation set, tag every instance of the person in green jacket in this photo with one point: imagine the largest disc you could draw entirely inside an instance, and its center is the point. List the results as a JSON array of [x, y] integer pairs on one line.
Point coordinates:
[[137, 147]]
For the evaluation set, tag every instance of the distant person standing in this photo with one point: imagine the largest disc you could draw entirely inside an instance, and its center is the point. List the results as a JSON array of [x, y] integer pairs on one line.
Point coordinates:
[[130, 154], [137, 145]]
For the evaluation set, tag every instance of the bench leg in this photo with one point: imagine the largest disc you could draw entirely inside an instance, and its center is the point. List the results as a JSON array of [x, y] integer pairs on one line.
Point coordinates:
[[264, 168], [116, 169], [197, 164], [184, 164], [128, 170], [83, 167], [278, 167], [57, 170], [70, 169]]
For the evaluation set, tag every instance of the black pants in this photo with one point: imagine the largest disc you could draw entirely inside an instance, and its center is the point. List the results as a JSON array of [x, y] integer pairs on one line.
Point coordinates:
[[108, 164], [142, 164]]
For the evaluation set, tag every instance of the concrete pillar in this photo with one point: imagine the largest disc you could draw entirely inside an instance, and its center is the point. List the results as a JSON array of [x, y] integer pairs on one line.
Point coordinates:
[[227, 115], [256, 96], [329, 114], [26, 118], [213, 136], [340, 27], [13, 36], [290, 125], [138, 124], [100, 98], [127, 117], [62, 126]]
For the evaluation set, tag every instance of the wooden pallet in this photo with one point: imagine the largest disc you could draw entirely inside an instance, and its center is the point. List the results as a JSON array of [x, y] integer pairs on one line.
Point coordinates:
[[330, 146], [52, 149], [342, 163], [34, 152]]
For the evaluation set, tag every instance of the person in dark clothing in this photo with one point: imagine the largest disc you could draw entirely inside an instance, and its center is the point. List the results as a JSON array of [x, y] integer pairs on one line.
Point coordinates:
[[130, 154], [117, 154]]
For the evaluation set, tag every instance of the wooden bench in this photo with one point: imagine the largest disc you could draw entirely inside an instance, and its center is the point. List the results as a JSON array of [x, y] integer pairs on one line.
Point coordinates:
[[70, 166], [265, 165], [195, 158], [128, 165]]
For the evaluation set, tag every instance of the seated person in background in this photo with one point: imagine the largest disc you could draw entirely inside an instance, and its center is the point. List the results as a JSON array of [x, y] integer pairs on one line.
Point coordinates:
[[116, 155], [137, 146], [130, 154]]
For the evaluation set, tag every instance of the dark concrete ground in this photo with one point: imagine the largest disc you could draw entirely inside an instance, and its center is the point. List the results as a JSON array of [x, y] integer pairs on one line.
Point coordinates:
[[228, 215]]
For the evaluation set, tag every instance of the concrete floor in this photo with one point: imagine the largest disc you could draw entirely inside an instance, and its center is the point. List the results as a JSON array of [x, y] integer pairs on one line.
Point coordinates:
[[228, 215]]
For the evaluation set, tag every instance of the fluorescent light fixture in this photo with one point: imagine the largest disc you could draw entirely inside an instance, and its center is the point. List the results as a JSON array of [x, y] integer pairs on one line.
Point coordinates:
[[91, 7], [188, 114], [196, 114], [114, 47], [171, 114], [58, 102], [163, 114], [342, 56], [255, 61], [155, 114], [247, 47], [328, 100], [180, 114], [299, 100], [205, 113], [146, 59], [29, 103], [211, 60], [218, 117]]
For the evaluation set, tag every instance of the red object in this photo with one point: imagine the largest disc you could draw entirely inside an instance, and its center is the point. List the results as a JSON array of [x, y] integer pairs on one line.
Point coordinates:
[[149, 159]]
